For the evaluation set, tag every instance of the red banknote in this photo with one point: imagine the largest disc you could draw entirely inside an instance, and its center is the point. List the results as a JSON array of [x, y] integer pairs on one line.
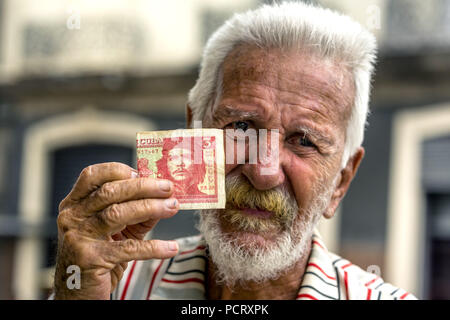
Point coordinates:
[[193, 159]]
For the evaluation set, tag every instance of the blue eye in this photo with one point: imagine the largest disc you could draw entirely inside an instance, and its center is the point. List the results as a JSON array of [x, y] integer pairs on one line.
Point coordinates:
[[242, 125]]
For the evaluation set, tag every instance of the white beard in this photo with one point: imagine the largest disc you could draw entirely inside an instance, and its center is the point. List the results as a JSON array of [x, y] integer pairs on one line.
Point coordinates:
[[239, 264]]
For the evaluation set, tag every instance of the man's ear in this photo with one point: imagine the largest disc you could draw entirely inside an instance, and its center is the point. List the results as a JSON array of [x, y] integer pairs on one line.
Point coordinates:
[[189, 116], [345, 178]]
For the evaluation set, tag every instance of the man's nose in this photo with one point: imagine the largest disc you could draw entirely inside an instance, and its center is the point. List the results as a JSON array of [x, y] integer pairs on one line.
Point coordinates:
[[267, 172]]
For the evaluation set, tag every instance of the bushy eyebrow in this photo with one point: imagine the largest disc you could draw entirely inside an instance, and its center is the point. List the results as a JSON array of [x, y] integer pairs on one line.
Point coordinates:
[[229, 111], [315, 134]]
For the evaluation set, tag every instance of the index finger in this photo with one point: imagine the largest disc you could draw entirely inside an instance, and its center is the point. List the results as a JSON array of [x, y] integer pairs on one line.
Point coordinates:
[[94, 176]]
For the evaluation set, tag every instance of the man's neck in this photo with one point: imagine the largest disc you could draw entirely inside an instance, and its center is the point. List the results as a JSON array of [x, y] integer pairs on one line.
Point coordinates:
[[285, 287]]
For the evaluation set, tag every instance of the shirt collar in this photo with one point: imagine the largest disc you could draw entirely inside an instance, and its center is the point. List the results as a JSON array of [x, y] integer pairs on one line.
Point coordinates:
[[187, 271], [320, 280]]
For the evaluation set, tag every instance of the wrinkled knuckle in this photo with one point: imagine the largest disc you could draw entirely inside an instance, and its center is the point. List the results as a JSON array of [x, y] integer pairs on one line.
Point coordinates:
[[149, 206], [71, 238], [141, 184], [131, 246], [111, 215], [107, 190], [62, 205], [86, 172], [67, 219], [62, 221], [114, 166], [152, 246]]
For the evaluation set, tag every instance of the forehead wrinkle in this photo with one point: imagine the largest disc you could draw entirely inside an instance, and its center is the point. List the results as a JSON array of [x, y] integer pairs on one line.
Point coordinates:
[[327, 90], [316, 91], [310, 103], [308, 108], [326, 94]]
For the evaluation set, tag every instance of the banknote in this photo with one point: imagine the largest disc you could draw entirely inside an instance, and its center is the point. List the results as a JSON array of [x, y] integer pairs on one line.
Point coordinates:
[[193, 159]]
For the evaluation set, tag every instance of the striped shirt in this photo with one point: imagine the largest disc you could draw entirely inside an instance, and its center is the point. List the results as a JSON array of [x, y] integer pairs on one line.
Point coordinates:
[[327, 277]]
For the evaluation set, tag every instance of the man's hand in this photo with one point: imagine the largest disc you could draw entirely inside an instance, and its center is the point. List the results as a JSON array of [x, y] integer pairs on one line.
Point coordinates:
[[101, 226]]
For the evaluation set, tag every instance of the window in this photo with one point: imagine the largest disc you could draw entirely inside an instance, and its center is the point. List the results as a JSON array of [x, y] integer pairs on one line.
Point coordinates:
[[436, 181]]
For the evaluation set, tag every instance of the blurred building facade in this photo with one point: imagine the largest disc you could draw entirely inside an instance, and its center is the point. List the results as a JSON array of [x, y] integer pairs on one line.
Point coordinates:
[[78, 79]]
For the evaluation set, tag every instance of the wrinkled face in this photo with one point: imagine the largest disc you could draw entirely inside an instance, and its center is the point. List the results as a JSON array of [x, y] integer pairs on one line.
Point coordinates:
[[179, 163], [307, 100]]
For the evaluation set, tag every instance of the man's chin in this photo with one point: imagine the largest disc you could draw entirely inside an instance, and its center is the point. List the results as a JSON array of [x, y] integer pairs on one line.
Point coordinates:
[[241, 255], [251, 239]]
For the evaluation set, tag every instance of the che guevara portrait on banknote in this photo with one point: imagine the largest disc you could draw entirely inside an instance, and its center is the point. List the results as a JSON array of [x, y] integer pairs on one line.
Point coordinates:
[[192, 159]]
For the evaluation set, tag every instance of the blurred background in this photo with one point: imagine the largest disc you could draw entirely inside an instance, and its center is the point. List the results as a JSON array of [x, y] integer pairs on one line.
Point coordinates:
[[78, 79]]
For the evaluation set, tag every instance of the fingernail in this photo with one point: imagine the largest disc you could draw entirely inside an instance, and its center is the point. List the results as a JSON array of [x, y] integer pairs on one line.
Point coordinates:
[[134, 174], [164, 185], [172, 246], [171, 203]]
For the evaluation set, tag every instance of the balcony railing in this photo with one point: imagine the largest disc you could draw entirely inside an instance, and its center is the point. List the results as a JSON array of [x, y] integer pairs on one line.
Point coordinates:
[[415, 26]]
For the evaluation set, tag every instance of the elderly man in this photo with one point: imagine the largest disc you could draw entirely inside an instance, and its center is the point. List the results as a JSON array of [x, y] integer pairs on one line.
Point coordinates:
[[301, 70]]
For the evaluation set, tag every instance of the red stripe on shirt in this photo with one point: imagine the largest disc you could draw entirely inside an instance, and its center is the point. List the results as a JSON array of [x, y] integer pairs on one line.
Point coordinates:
[[346, 266], [371, 281], [316, 242], [183, 281], [189, 251], [315, 265], [125, 289], [369, 293], [153, 280], [346, 284], [305, 295], [404, 296]]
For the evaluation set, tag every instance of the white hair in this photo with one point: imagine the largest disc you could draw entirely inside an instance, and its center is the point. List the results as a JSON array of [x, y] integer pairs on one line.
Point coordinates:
[[299, 26]]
